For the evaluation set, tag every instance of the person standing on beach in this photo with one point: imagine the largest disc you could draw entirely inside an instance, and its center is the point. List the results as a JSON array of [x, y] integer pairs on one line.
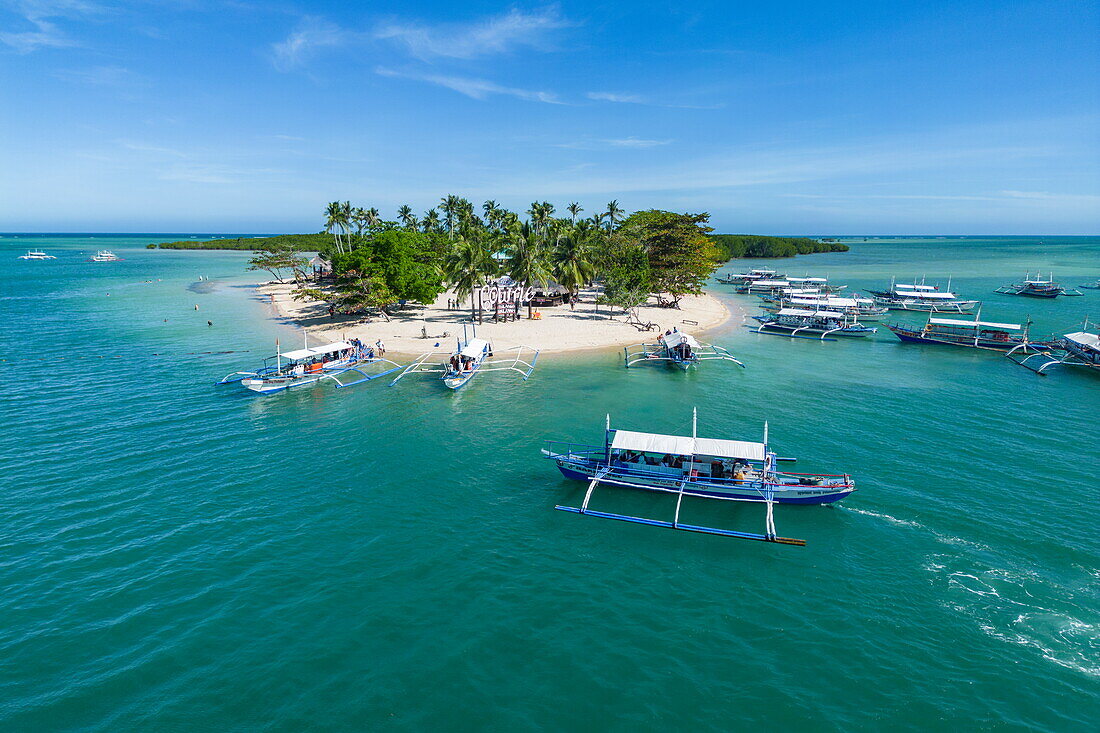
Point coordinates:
[[381, 347]]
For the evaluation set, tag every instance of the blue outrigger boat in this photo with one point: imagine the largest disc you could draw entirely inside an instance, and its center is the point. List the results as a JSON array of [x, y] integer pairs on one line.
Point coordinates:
[[311, 364], [973, 334], [1080, 349], [470, 357], [710, 468], [815, 324]]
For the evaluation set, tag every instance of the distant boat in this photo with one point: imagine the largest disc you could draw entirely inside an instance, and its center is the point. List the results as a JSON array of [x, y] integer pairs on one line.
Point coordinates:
[[1036, 287], [1095, 285], [105, 255], [744, 278], [36, 255], [921, 297]]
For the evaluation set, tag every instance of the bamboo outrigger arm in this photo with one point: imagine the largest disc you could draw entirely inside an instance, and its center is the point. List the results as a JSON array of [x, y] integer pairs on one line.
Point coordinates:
[[766, 497]]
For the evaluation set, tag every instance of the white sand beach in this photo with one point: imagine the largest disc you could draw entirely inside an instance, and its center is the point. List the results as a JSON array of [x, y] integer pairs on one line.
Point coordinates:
[[559, 328]]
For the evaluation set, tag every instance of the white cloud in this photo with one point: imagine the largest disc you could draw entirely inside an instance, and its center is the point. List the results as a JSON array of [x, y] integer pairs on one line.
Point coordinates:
[[1048, 196], [311, 34], [495, 35], [474, 88], [616, 97], [624, 98], [634, 142], [626, 142], [41, 14], [105, 76]]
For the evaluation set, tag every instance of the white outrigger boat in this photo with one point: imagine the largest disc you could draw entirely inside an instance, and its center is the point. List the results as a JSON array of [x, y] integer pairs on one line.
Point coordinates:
[[923, 298], [104, 255], [820, 325], [470, 357], [862, 308], [709, 468], [310, 365], [677, 349], [742, 278], [1081, 349], [35, 254]]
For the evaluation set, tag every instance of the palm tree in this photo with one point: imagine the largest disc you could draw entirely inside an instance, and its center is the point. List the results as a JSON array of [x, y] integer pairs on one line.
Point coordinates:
[[465, 268], [491, 210], [359, 218], [573, 268], [372, 218], [407, 217], [540, 213], [345, 221], [332, 223], [597, 220], [450, 206], [574, 209], [614, 215], [527, 261], [430, 221]]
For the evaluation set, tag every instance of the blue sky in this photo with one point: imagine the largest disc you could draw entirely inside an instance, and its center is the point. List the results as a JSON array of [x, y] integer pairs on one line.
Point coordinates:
[[796, 117]]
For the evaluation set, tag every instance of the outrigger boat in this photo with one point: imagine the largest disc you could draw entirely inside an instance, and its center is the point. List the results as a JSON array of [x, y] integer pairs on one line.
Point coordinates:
[[862, 308], [676, 349], [921, 297], [975, 334], [777, 286], [104, 255], [801, 323], [470, 357], [710, 468], [1036, 287], [1091, 286], [35, 254], [742, 278], [311, 364], [1081, 349]]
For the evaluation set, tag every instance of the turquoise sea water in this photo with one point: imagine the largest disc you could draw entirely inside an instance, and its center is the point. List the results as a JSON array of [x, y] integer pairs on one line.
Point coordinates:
[[175, 556]]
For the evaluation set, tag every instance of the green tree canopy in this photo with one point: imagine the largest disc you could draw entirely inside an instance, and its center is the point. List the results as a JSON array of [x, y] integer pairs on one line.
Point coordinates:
[[681, 256], [405, 262]]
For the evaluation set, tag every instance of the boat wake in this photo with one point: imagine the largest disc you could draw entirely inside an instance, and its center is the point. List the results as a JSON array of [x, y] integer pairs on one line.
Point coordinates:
[[1022, 607], [887, 517]]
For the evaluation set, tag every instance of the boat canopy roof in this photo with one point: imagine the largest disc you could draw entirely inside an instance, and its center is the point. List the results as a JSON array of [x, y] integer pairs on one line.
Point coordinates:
[[773, 283], [926, 295], [808, 279], [474, 348], [678, 445], [678, 337], [316, 350], [803, 291], [900, 286], [984, 324], [828, 302], [794, 312], [1085, 338]]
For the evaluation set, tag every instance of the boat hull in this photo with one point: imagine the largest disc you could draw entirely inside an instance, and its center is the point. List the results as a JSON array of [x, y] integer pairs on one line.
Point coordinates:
[[782, 493], [917, 337]]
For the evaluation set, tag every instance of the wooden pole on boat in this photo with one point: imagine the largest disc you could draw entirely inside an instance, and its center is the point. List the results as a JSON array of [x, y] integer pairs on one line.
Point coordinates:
[[278, 356]]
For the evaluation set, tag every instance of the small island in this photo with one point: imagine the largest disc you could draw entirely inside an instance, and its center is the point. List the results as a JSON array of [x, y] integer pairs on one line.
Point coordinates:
[[555, 282]]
